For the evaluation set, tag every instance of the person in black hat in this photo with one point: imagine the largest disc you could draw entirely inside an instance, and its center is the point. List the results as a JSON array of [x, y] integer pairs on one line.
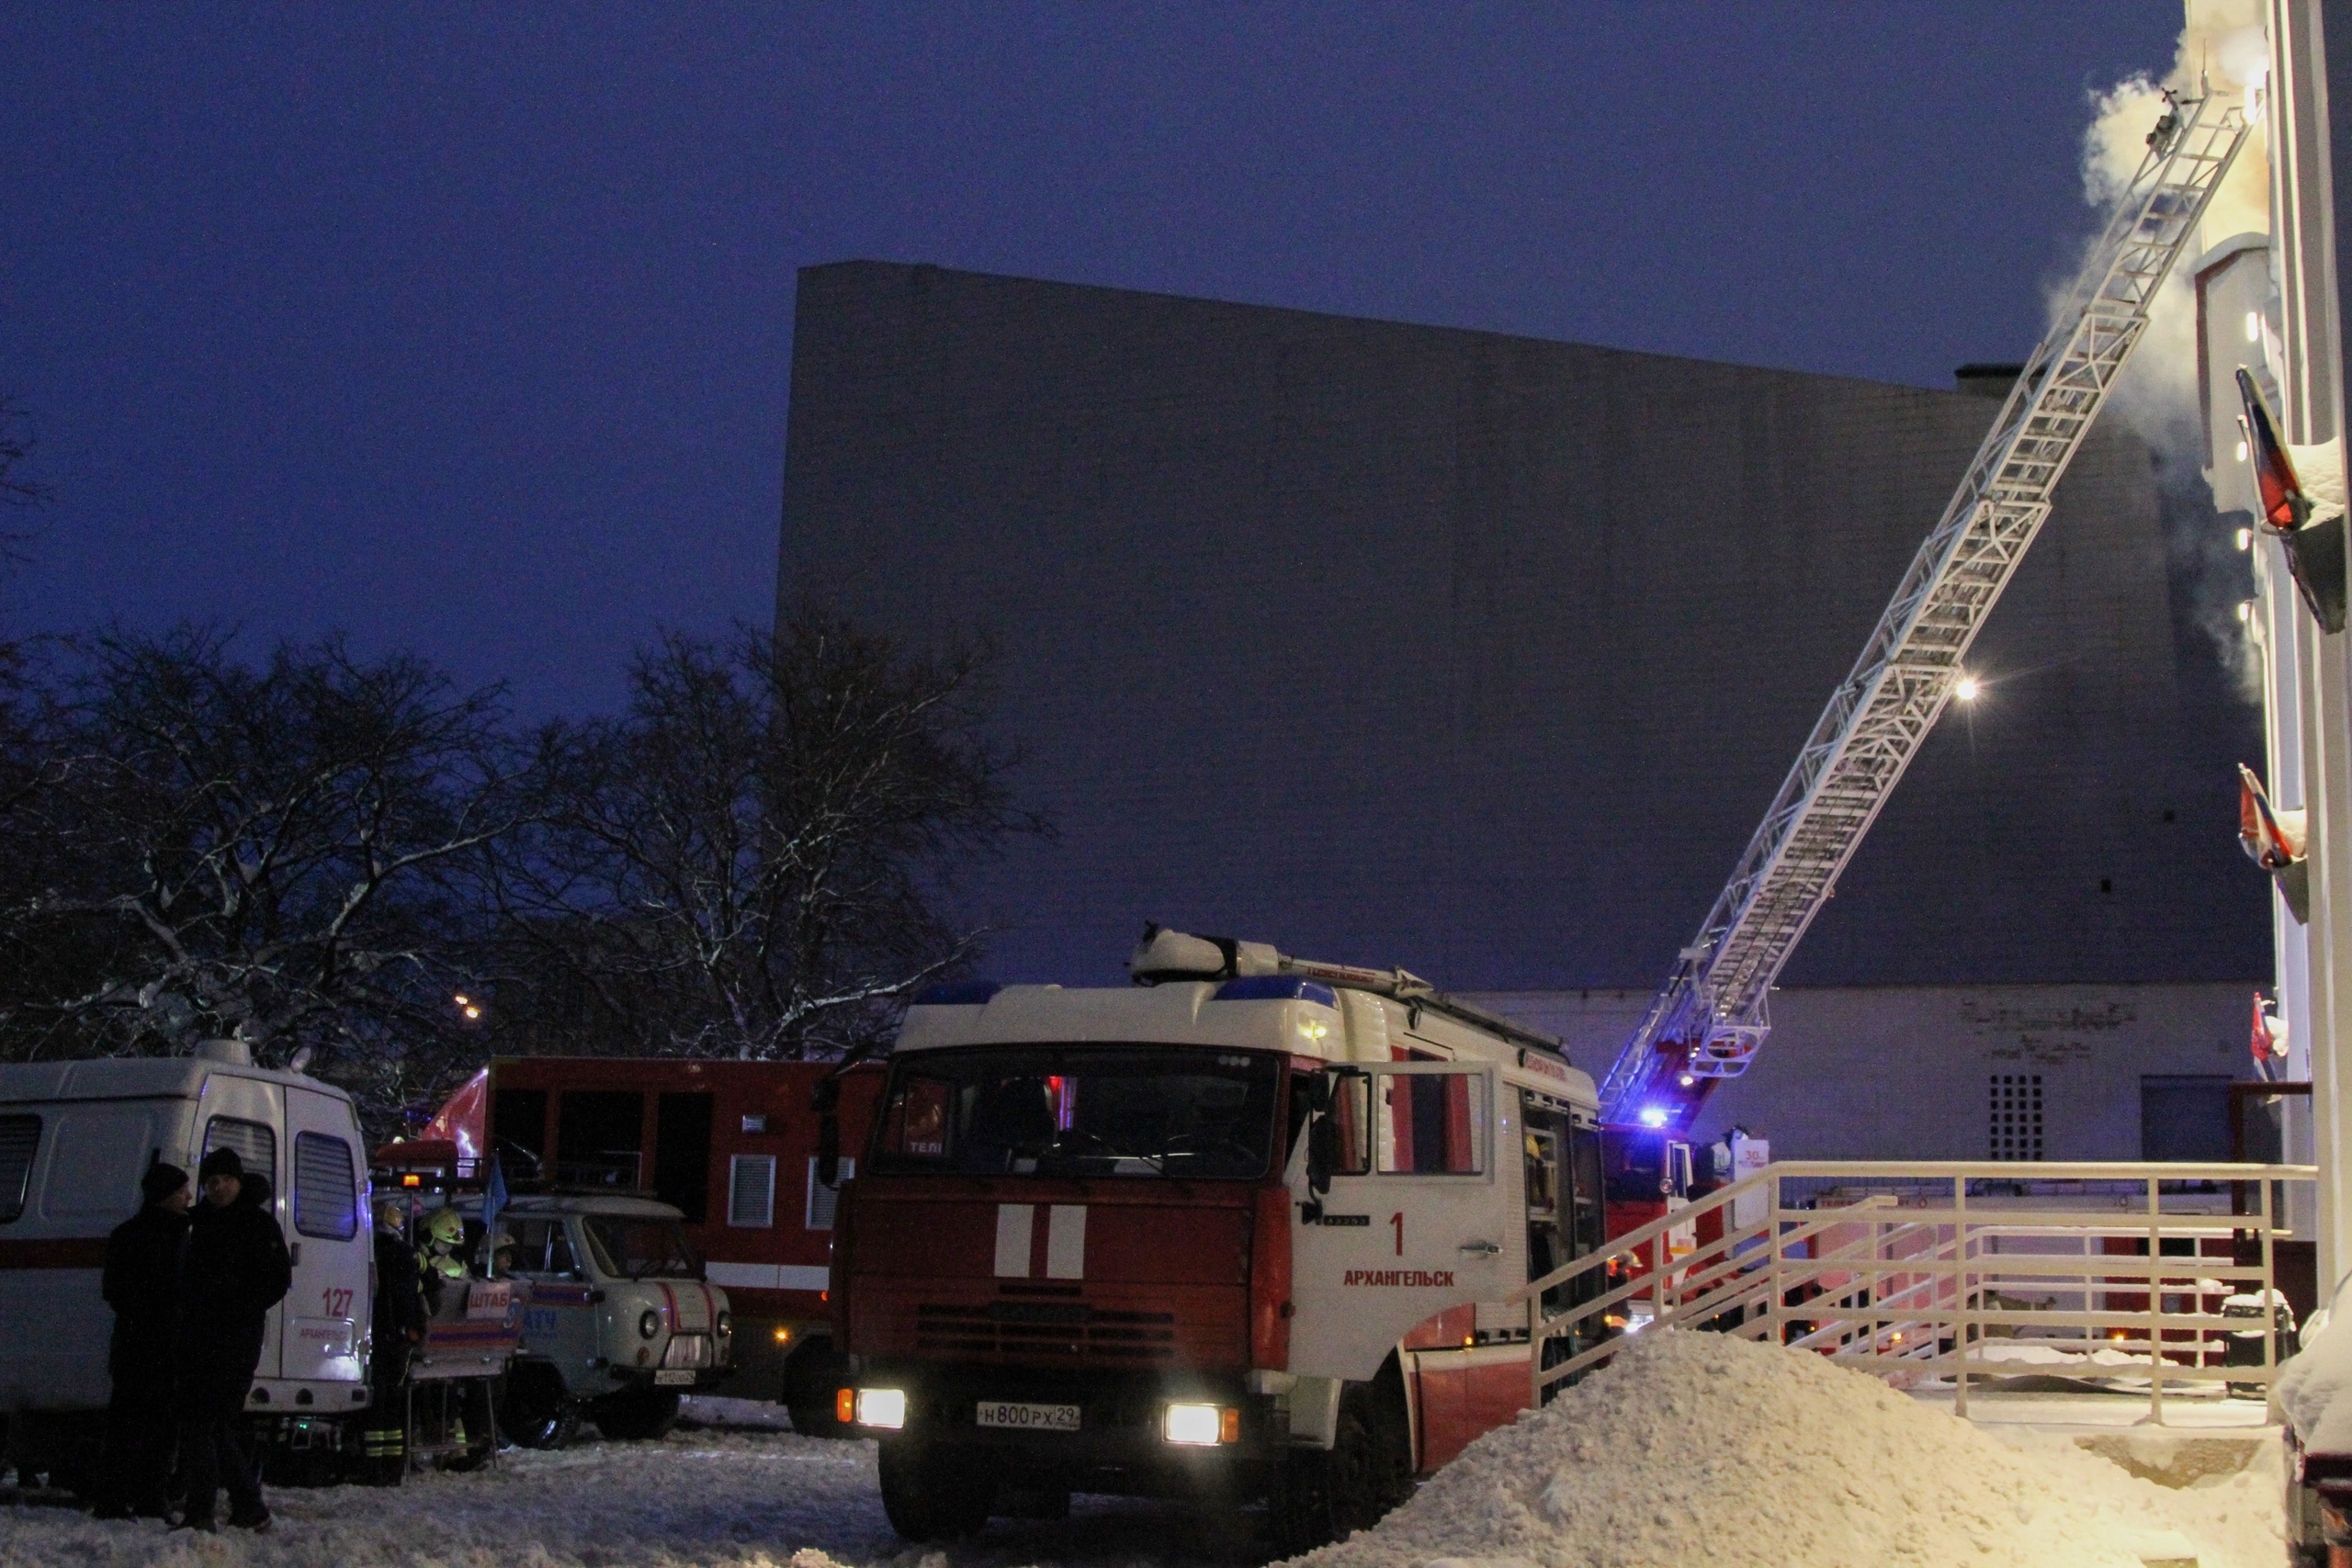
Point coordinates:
[[142, 1283], [235, 1270]]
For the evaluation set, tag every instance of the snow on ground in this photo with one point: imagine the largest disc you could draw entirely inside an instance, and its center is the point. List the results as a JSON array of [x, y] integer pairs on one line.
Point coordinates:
[[1700, 1447], [753, 1498], [1692, 1448]]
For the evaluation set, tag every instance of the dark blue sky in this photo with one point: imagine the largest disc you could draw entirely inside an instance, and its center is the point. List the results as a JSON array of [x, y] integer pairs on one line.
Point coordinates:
[[469, 329]]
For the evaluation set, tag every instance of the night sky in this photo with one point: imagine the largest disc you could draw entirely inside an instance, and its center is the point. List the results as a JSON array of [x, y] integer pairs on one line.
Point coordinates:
[[468, 329]]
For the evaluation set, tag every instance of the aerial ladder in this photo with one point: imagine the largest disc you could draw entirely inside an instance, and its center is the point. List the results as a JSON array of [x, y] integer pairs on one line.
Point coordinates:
[[1712, 1014]]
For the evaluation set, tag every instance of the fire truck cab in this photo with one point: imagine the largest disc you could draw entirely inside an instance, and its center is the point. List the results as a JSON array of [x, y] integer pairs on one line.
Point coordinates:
[[1244, 1231]]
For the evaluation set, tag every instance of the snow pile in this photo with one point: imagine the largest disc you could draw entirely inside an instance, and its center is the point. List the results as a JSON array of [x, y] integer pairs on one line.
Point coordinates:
[[1699, 1448], [2315, 1388]]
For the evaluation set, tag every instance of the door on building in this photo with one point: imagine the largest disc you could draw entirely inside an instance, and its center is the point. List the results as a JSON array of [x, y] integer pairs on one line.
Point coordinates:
[[2185, 1117]]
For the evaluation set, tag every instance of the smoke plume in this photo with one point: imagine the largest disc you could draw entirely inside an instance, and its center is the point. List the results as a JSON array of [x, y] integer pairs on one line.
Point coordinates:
[[2223, 49]]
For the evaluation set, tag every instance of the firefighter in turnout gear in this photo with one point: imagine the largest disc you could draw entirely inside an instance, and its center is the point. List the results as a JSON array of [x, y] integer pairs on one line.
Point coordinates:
[[456, 1411], [399, 1326], [443, 1259]]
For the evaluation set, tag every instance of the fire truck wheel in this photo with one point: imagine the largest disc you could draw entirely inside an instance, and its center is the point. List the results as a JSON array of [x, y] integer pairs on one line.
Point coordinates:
[[812, 1416], [637, 1415], [533, 1410], [811, 1378], [928, 1496], [1325, 1496]]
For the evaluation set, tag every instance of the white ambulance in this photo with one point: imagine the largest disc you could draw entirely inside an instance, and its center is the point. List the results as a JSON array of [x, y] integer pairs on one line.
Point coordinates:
[[74, 1139]]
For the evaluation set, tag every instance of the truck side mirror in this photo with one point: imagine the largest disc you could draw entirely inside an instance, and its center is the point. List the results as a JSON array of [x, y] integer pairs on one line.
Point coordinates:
[[825, 1100], [1314, 1091], [1323, 1154], [829, 1149]]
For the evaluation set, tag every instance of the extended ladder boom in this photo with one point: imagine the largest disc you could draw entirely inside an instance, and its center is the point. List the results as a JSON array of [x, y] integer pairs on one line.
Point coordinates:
[[1712, 1015]]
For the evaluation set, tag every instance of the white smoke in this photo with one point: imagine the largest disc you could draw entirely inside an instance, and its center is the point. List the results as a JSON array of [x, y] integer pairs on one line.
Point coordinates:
[[2222, 50]]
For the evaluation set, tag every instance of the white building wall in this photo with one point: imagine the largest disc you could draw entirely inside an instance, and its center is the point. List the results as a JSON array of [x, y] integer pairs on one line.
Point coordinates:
[[1901, 1072], [2309, 369]]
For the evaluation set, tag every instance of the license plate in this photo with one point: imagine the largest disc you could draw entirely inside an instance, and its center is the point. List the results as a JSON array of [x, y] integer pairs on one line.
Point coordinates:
[[1028, 1418], [665, 1378]]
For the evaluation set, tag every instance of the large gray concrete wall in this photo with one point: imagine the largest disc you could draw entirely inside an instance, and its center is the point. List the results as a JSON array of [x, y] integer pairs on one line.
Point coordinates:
[[1483, 654], [1903, 1073]]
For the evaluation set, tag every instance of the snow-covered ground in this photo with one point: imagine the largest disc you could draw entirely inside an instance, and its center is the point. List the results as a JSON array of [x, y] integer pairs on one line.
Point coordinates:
[[742, 1496], [1693, 1448]]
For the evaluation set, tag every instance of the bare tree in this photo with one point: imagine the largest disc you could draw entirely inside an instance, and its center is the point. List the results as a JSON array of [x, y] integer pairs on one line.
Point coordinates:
[[15, 446], [18, 492], [754, 860], [286, 854]]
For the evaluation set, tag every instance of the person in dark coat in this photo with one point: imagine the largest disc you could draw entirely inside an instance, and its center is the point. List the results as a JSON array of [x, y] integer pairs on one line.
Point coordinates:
[[398, 1325], [142, 1283], [236, 1268]]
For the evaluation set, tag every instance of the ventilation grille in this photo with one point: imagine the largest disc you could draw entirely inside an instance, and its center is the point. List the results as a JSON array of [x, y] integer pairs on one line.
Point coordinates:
[[1035, 1329], [2016, 1129], [751, 1191]]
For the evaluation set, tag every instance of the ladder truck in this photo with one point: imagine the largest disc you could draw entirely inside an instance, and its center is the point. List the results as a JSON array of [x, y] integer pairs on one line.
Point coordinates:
[[1712, 1014], [1250, 1228]]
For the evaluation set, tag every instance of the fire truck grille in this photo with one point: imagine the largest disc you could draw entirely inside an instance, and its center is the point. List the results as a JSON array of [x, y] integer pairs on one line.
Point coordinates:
[[1031, 1330]]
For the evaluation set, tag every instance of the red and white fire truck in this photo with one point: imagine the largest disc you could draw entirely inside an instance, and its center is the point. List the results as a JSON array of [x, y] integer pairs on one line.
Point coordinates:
[[1242, 1230]]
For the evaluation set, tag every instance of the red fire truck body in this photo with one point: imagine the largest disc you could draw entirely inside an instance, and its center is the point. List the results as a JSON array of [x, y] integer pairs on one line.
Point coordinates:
[[734, 1145], [1245, 1232]]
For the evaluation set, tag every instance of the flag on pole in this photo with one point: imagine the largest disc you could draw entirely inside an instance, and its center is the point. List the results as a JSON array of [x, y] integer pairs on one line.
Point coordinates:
[[493, 1197]]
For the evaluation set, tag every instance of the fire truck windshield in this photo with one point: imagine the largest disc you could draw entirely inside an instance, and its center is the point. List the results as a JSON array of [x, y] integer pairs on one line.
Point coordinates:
[[1130, 1111]]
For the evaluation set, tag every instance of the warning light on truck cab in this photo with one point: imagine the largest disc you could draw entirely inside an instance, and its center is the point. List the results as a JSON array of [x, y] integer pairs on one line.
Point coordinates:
[[1652, 1116]]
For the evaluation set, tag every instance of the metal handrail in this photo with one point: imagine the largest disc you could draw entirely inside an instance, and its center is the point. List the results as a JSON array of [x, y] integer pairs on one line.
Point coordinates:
[[1837, 1278]]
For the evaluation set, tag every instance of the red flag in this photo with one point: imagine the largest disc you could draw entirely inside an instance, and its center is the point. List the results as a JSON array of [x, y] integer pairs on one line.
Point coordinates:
[[2267, 843], [2284, 506]]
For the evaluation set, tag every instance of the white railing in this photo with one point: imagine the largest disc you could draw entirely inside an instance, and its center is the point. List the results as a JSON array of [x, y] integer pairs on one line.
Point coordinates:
[[1947, 1271]]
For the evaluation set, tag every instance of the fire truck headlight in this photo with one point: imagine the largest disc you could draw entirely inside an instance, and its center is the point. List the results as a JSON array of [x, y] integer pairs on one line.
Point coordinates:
[[648, 1323], [885, 1408], [726, 1325], [1199, 1425]]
